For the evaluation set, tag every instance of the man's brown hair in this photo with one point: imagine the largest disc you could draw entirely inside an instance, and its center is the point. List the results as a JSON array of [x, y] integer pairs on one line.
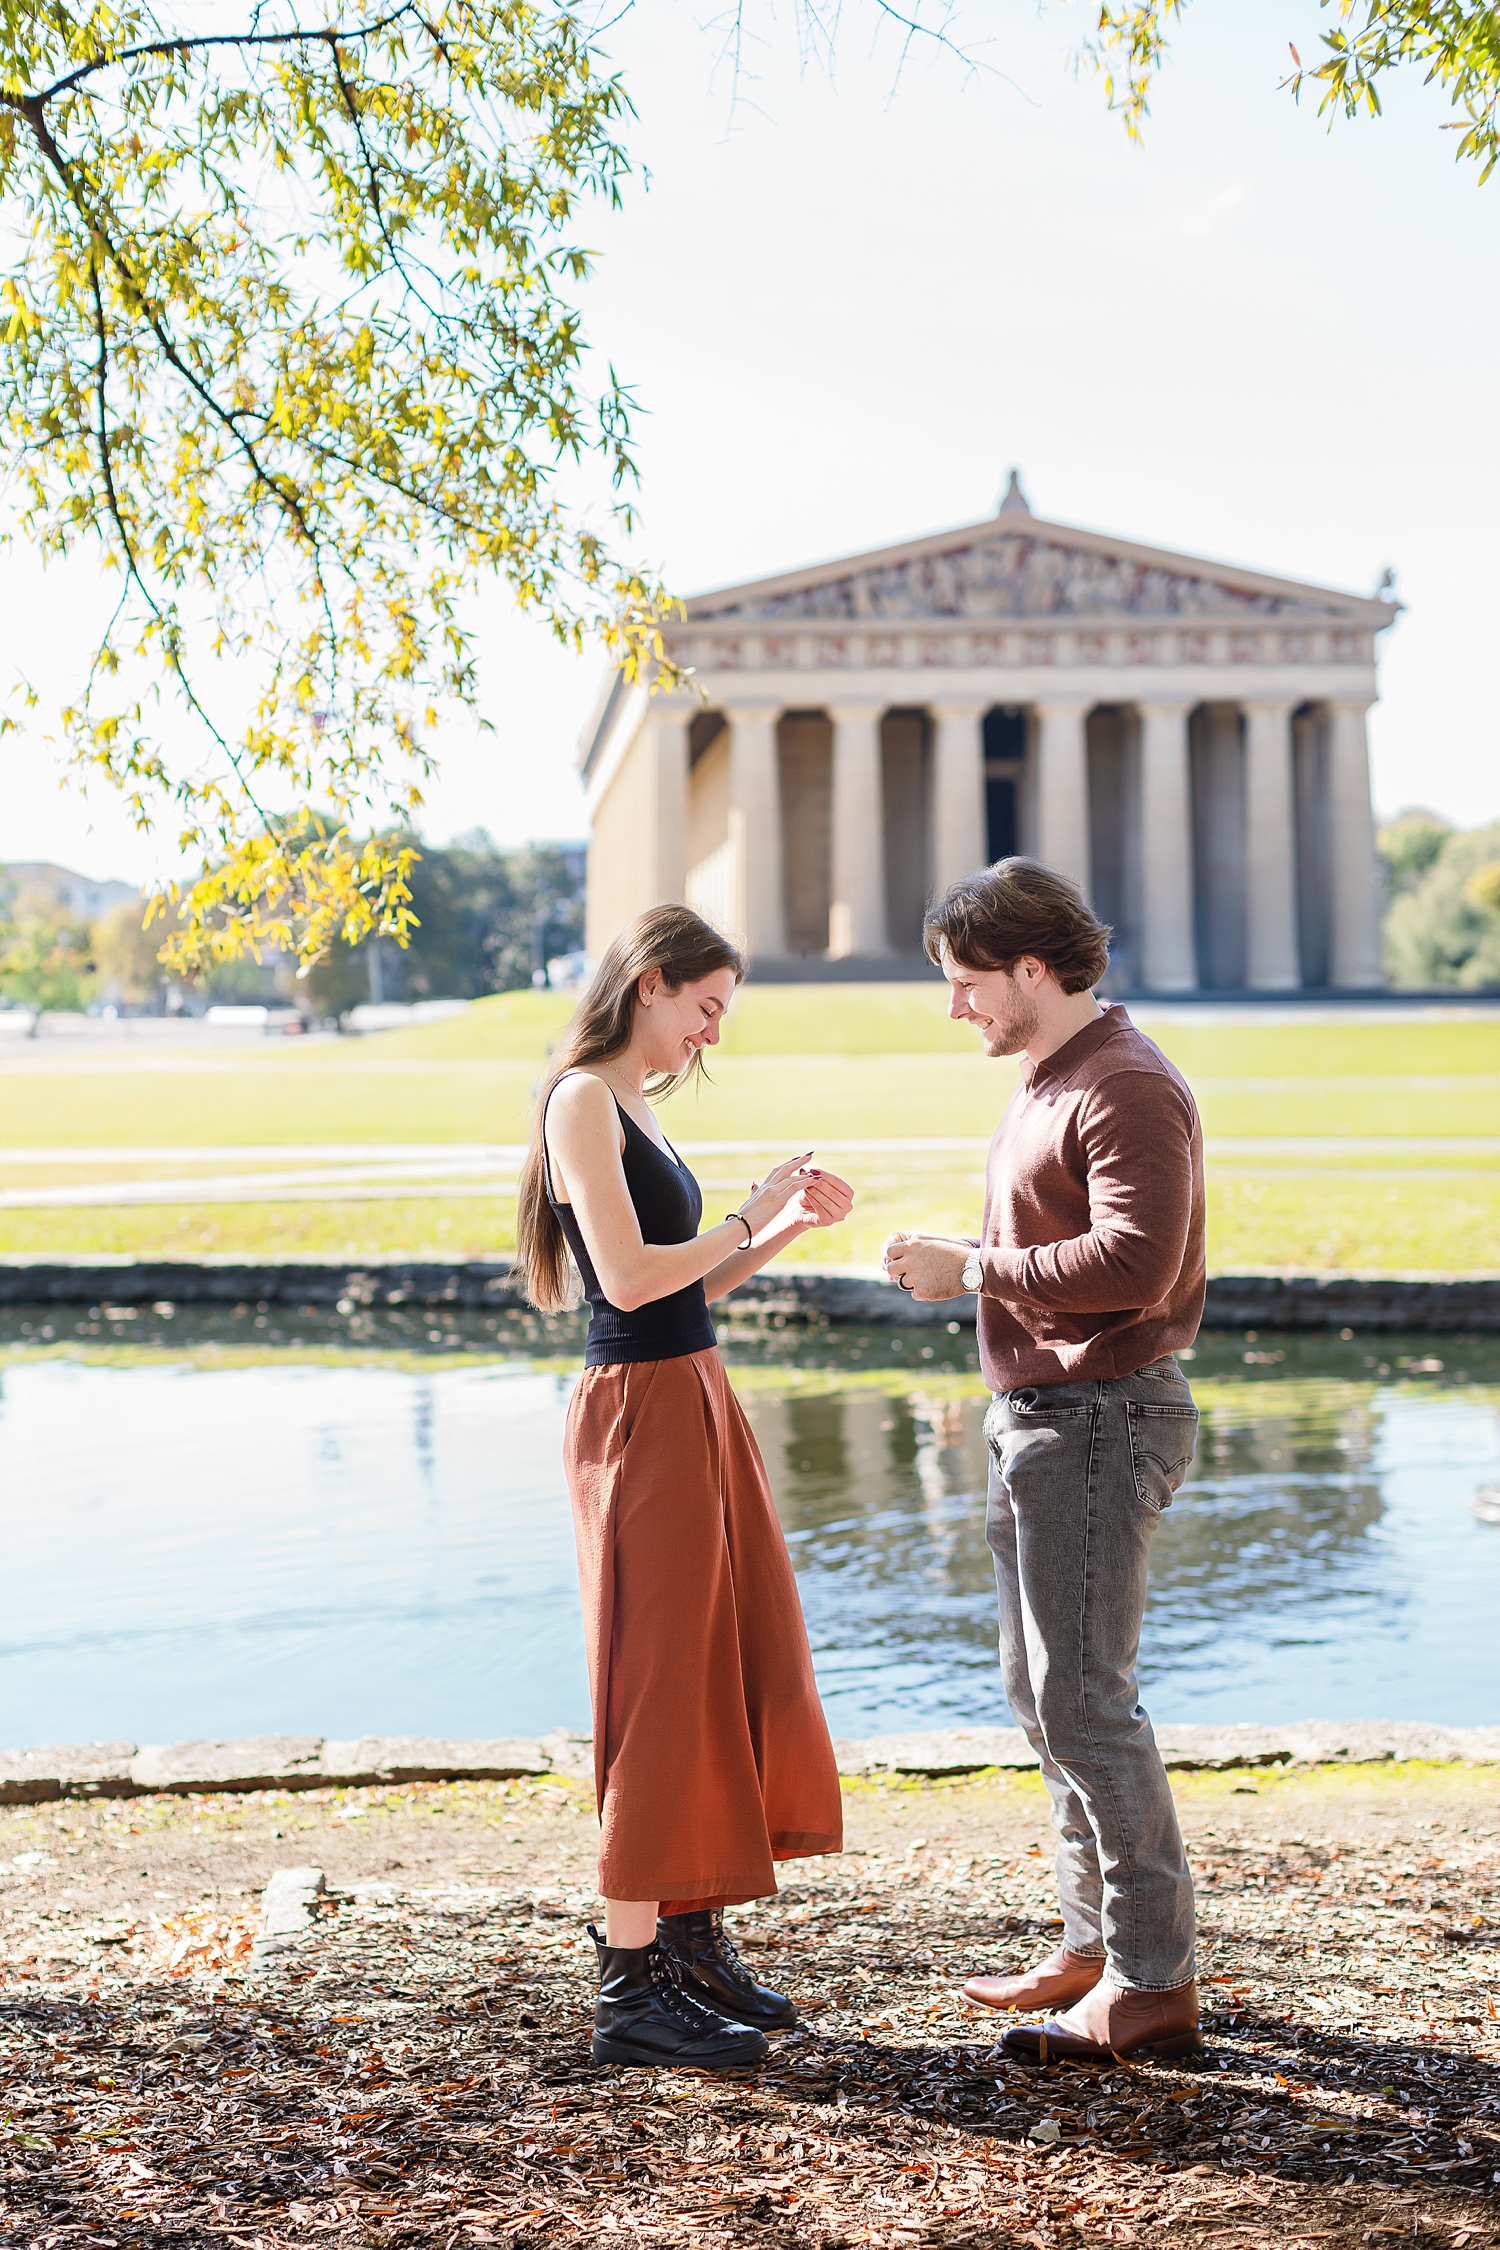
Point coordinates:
[[1016, 908]]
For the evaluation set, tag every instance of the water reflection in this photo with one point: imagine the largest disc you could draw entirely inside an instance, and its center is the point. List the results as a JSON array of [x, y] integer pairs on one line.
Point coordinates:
[[1274, 1536], [235, 1523], [882, 1499], [1321, 1549]]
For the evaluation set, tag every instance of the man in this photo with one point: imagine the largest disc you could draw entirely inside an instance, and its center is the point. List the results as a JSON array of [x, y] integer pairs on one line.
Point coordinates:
[[1090, 1274]]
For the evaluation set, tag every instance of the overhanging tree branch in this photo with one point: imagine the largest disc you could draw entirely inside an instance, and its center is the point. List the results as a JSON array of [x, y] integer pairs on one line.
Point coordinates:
[[185, 44], [1456, 43], [327, 471]]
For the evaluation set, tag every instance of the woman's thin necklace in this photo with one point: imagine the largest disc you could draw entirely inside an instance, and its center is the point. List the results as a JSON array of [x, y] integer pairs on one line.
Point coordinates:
[[618, 1084], [652, 1131]]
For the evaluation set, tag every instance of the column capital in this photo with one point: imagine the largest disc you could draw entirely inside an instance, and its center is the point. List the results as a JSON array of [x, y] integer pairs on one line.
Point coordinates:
[[1074, 706], [1170, 704], [1271, 704], [850, 713], [1357, 704], [958, 706]]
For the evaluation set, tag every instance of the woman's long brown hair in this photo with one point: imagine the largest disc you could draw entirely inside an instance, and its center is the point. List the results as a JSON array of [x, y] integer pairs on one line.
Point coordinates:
[[682, 948]]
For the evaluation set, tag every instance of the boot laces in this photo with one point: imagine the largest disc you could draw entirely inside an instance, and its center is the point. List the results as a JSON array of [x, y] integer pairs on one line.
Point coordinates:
[[665, 1975], [724, 1946]]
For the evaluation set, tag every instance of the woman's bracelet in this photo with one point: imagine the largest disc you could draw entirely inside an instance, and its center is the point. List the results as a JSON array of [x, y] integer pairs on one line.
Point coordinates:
[[745, 1223]]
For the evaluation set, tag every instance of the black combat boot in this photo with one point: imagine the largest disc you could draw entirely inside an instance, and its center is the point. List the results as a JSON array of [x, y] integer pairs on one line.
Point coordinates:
[[643, 2016], [706, 1965]]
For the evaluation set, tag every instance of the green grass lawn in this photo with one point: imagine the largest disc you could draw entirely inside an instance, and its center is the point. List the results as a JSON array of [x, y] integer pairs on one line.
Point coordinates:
[[799, 1066], [479, 1227], [1426, 1225], [276, 1096]]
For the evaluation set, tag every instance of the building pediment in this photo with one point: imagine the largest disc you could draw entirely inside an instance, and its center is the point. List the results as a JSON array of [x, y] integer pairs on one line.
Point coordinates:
[[1016, 566]]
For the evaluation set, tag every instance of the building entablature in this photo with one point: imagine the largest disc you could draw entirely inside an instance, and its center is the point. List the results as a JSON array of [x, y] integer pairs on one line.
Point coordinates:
[[1024, 687], [1083, 644]]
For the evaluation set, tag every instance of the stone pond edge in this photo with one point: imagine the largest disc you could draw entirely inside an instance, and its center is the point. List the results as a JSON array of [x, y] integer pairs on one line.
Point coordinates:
[[1364, 1302], [95, 1770]]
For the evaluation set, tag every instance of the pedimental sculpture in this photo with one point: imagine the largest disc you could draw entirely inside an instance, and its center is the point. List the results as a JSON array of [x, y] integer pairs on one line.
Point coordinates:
[[1185, 739]]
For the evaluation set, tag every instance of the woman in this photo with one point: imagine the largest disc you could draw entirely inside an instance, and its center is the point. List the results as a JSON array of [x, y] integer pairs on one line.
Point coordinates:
[[711, 1754]]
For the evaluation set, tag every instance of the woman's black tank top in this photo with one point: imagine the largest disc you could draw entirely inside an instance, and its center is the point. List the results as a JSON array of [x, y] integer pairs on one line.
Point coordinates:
[[669, 1206]]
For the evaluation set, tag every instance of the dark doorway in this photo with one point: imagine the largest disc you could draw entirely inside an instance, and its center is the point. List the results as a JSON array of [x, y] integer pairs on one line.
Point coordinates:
[[1004, 763], [1314, 871], [1216, 741], [906, 785], [1115, 837], [999, 815], [805, 757]]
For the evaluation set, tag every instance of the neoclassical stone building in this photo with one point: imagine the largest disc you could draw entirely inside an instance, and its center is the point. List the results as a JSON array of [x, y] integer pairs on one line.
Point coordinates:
[[1185, 739]]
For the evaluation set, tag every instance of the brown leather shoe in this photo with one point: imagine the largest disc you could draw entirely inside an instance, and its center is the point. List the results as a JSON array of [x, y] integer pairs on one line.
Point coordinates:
[[1054, 1983], [1112, 2023]]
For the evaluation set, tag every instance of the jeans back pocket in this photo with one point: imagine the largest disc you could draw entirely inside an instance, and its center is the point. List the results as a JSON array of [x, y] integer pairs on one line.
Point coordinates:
[[1162, 1439]]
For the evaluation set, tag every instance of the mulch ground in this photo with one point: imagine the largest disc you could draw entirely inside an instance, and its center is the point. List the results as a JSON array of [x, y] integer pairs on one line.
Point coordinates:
[[417, 2071]]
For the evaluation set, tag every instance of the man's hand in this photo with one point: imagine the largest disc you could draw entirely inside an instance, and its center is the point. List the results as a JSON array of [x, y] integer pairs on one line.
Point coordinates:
[[929, 1265]]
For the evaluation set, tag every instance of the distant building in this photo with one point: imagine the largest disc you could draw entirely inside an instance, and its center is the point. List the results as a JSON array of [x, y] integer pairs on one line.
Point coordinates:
[[80, 894], [1184, 738]]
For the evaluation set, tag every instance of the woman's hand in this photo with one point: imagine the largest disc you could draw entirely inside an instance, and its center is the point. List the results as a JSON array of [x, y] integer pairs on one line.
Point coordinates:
[[798, 1196], [770, 1196], [825, 1201]]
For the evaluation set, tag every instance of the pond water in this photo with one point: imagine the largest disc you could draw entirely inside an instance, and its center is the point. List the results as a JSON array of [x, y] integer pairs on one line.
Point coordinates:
[[230, 1523]]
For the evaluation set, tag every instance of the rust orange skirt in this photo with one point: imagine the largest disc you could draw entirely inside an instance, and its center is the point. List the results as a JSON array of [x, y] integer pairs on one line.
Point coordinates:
[[711, 1752]]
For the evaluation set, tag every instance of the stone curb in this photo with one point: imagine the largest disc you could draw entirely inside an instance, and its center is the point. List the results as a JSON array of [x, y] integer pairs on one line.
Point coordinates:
[[1256, 1300], [280, 1761], [1309, 1742]]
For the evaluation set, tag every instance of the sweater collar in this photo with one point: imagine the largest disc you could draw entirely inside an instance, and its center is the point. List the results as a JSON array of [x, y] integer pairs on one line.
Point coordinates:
[[1059, 1066]]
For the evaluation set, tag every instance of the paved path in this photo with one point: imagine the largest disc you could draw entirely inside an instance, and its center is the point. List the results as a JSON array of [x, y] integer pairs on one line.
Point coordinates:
[[352, 1172]]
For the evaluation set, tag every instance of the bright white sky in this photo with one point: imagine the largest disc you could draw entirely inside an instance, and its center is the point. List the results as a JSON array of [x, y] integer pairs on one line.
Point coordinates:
[[846, 306]]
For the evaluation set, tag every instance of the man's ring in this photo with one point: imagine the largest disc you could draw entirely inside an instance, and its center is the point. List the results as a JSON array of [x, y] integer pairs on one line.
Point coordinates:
[[902, 1282]]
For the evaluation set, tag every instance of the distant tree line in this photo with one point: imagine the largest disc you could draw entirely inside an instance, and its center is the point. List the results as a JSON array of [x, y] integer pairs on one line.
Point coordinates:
[[488, 921], [1442, 914]]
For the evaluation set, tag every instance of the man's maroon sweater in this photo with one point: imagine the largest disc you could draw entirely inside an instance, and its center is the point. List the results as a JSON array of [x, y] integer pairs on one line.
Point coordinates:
[[1093, 1250]]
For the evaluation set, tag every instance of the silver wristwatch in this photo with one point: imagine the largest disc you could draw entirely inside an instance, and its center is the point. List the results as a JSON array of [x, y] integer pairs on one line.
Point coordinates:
[[973, 1271]]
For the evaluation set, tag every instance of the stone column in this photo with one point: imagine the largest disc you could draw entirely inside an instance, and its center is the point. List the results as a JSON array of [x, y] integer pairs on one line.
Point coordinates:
[[1271, 958], [666, 740], [1355, 915], [856, 915], [1062, 790], [755, 831], [960, 842], [1168, 955]]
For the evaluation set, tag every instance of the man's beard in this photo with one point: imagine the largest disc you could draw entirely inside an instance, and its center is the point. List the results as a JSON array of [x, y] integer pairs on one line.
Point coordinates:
[[1009, 1033]]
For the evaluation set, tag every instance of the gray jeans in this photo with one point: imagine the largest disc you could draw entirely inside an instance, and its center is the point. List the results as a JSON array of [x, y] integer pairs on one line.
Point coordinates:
[[1079, 1475]]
